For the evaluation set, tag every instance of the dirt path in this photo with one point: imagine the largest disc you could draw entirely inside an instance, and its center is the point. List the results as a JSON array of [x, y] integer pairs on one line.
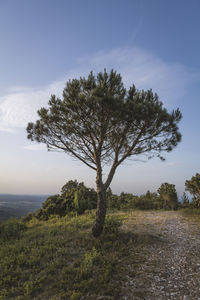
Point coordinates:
[[166, 261]]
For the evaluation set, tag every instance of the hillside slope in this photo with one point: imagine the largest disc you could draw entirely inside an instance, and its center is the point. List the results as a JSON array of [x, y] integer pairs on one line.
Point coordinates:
[[153, 255]]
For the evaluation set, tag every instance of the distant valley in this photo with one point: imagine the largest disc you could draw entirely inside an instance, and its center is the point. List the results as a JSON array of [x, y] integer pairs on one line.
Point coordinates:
[[19, 205]]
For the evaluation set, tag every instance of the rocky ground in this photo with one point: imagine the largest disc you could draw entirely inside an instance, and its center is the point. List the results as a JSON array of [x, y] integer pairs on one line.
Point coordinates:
[[165, 264]]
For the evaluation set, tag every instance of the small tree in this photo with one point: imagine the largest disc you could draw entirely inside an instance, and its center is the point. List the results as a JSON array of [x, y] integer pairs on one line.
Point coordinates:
[[75, 197], [193, 187], [169, 196], [185, 202], [127, 200], [101, 123]]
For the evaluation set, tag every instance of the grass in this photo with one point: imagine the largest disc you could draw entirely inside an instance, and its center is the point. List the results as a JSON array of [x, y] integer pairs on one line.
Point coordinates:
[[190, 211], [59, 259], [192, 214]]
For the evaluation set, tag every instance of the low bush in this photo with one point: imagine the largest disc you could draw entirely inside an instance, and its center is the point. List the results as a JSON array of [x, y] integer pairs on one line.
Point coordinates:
[[75, 199], [60, 259], [27, 218], [112, 224], [11, 228], [190, 211]]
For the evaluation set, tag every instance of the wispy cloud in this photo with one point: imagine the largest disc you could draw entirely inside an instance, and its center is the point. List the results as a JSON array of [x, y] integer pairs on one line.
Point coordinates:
[[137, 66], [19, 108]]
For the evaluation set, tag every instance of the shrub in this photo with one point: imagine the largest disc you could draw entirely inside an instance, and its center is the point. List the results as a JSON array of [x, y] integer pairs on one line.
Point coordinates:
[[75, 295], [41, 214], [168, 195], [112, 224], [75, 198], [27, 217], [89, 258], [11, 228]]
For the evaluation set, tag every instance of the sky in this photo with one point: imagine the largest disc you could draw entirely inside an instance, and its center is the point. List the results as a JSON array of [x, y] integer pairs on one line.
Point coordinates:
[[153, 44]]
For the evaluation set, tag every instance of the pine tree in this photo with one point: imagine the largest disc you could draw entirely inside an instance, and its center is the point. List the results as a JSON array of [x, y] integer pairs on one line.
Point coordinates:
[[99, 122], [193, 187], [169, 196]]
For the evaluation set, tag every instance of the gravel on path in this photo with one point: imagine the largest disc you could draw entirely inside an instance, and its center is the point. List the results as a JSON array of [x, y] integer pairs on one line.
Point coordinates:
[[168, 255]]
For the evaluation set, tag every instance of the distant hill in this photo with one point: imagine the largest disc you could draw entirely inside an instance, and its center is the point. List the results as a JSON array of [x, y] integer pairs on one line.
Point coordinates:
[[19, 205]]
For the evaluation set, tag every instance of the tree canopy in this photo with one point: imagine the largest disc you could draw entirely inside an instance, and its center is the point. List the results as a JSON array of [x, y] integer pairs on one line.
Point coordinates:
[[100, 122], [75, 197], [169, 196], [193, 187]]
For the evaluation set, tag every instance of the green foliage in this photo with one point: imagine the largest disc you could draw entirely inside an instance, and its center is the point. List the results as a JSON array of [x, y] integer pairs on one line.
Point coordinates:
[[60, 259], [55, 205], [127, 200], [99, 108], [27, 218], [79, 196], [114, 201], [168, 195], [74, 199], [40, 214], [84, 198], [130, 201], [112, 224], [145, 202], [185, 203], [193, 187], [85, 269], [70, 186], [11, 228], [75, 295], [191, 211], [100, 122], [80, 202]]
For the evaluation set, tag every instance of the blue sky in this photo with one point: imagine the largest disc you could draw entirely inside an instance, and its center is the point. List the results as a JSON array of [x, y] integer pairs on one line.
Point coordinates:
[[154, 44]]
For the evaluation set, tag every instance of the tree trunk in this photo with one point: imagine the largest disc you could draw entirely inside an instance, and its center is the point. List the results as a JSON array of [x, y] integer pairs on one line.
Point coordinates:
[[101, 197], [100, 214], [101, 204]]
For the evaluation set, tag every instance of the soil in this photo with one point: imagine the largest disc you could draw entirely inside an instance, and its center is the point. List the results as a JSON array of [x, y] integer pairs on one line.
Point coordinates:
[[165, 263]]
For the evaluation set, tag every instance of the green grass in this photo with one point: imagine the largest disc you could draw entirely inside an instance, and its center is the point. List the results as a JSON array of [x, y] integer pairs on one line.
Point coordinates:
[[193, 214], [59, 259], [190, 211]]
